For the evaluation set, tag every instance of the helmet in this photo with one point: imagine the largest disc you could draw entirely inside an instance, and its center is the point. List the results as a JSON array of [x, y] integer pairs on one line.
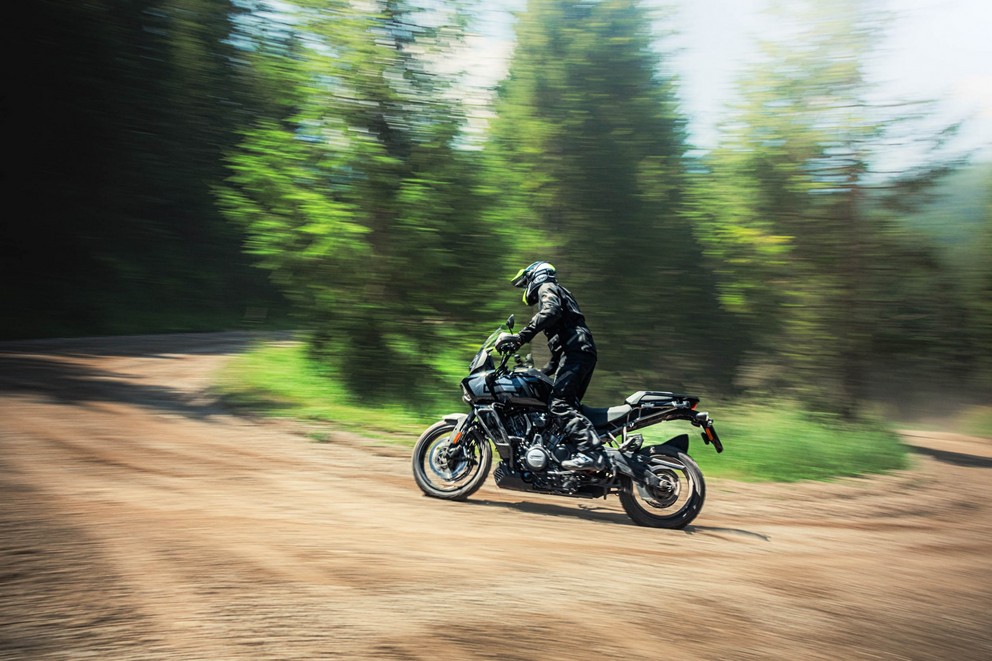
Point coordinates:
[[532, 277]]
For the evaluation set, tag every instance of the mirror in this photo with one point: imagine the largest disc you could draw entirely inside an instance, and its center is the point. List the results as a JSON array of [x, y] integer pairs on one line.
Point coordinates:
[[509, 322]]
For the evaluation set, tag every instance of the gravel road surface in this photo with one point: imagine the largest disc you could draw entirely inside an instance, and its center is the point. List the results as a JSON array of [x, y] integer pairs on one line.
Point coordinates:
[[140, 519]]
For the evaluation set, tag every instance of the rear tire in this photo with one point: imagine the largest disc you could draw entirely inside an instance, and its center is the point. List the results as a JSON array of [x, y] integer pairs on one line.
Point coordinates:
[[676, 503], [439, 478]]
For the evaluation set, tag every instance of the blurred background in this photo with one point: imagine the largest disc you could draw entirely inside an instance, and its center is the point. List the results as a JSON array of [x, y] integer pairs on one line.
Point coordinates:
[[748, 199]]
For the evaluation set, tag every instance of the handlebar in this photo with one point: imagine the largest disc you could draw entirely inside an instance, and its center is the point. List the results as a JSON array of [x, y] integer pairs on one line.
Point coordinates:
[[502, 363], [499, 371]]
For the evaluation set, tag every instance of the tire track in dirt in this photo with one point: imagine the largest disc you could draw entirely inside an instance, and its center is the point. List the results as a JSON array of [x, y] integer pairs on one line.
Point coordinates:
[[142, 520]]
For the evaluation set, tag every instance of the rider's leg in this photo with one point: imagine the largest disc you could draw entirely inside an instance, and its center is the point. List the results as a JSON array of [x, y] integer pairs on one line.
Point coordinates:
[[571, 381]]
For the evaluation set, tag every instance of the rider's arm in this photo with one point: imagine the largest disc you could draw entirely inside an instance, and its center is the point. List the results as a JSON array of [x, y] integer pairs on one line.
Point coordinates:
[[548, 312], [552, 365]]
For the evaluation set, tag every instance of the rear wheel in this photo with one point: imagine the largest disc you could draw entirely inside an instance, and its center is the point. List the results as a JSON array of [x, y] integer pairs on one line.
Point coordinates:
[[444, 471], [676, 501]]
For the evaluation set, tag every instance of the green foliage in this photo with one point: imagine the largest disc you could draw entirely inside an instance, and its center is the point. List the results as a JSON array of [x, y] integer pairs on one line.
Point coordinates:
[[589, 146], [280, 379], [163, 137], [361, 204], [827, 286], [956, 219], [123, 113]]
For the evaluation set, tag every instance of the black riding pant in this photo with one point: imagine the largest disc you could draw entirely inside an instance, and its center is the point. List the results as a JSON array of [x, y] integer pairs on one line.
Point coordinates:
[[571, 381]]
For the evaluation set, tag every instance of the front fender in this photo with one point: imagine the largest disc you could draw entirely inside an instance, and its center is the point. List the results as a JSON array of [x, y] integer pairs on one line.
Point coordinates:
[[455, 418], [461, 423]]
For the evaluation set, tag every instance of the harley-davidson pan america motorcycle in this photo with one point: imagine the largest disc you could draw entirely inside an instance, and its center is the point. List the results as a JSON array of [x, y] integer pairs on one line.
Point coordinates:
[[658, 485]]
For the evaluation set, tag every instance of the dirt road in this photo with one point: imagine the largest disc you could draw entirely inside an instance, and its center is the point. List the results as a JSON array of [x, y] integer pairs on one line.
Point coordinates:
[[140, 520]]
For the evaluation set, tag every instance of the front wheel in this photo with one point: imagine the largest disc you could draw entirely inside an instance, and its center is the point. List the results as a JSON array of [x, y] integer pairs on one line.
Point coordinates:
[[443, 472], [676, 501]]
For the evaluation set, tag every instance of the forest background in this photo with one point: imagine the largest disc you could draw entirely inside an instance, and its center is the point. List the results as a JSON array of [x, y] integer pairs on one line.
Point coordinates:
[[211, 164]]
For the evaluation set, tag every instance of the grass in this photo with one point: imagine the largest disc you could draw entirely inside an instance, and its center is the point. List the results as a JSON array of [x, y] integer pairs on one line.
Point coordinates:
[[762, 443], [277, 379], [786, 444]]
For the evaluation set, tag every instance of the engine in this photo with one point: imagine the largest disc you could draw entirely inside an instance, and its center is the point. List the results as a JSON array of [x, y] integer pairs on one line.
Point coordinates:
[[524, 424], [538, 446], [537, 458]]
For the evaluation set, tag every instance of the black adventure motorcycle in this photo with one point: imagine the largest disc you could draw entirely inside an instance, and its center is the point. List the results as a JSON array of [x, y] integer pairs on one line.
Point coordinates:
[[658, 485]]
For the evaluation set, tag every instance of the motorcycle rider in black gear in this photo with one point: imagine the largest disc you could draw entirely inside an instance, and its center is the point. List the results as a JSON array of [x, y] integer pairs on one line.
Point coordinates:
[[573, 358]]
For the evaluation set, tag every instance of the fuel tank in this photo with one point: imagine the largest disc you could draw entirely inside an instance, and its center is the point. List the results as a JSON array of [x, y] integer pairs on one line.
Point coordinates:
[[523, 387]]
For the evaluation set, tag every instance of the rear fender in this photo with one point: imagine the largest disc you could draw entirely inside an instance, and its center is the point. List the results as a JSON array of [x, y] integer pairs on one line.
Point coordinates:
[[655, 454], [680, 443]]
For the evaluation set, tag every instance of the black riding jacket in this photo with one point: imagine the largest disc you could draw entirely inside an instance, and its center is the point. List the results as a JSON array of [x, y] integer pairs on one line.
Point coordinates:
[[559, 316]]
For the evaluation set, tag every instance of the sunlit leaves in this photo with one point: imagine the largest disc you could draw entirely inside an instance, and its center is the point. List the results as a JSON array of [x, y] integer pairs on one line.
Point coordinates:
[[359, 201]]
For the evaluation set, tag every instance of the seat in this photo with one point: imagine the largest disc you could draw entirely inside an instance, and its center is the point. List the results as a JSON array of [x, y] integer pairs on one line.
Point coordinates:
[[604, 417], [645, 396]]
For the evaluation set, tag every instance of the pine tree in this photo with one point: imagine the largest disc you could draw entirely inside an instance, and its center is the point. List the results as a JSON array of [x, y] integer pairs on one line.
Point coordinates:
[[591, 146]]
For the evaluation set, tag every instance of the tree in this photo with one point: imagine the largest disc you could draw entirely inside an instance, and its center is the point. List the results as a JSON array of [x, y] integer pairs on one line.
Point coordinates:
[[798, 218], [590, 145], [361, 202], [982, 302], [120, 124]]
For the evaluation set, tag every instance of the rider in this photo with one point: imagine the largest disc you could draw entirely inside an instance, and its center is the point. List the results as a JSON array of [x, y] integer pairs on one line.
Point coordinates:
[[573, 358]]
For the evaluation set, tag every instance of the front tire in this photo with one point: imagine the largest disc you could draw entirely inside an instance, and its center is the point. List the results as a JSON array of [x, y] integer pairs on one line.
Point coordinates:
[[450, 479], [679, 499]]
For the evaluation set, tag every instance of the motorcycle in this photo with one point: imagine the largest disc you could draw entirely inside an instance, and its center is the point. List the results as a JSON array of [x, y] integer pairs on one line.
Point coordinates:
[[658, 485]]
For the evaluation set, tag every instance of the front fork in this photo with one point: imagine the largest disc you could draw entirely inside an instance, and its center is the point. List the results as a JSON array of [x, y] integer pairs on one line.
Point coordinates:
[[458, 447]]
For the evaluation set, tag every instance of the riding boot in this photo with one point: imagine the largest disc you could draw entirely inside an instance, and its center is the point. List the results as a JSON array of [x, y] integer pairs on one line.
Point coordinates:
[[589, 456]]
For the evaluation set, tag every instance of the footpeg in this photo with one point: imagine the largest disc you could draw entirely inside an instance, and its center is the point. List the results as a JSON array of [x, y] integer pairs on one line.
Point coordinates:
[[633, 443]]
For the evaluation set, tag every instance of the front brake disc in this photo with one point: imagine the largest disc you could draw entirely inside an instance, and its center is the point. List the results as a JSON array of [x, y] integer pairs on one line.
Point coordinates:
[[444, 467]]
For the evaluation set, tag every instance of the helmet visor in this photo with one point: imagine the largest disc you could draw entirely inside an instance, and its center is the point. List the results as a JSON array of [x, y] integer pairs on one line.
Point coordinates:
[[520, 279]]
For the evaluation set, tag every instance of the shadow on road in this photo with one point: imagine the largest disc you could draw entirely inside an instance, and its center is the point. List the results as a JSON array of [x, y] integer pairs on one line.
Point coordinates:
[[64, 382], [583, 511], [51, 370], [594, 513], [693, 530], [165, 346], [956, 458]]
